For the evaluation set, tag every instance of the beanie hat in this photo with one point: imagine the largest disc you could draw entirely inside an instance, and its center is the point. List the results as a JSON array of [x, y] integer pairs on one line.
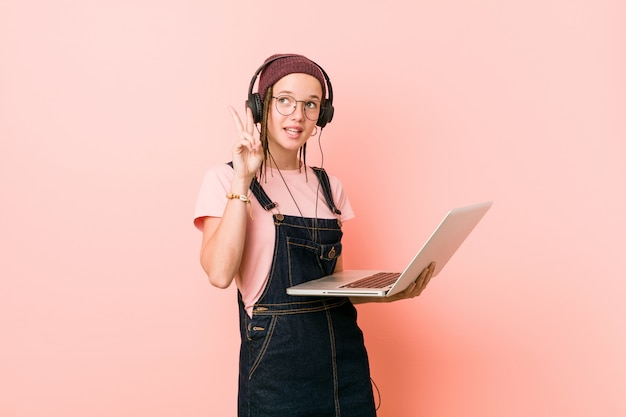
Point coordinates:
[[289, 64]]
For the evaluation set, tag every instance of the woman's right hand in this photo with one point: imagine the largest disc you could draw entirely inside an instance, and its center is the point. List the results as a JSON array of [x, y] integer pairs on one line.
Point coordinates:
[[248, 151]]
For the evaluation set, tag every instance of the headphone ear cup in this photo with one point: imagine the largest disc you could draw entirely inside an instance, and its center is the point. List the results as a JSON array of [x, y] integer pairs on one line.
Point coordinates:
[[327, 114], [256, 106]]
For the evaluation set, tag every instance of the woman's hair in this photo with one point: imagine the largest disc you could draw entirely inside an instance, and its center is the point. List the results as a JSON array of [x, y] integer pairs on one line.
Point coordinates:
[[267, 103], [263, 133]]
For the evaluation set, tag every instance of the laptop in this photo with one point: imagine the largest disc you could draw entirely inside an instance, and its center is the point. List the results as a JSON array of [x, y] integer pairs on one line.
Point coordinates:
[[456, 225]]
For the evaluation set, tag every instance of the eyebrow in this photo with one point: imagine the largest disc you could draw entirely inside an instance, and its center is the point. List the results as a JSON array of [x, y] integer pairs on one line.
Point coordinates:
[[291, 93]]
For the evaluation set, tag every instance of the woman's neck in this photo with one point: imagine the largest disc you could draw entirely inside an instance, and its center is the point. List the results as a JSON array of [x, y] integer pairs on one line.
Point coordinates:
[[284, 162]]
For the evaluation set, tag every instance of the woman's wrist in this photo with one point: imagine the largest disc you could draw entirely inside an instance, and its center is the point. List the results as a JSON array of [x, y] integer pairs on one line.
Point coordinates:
[[244, 199], [240, 186]]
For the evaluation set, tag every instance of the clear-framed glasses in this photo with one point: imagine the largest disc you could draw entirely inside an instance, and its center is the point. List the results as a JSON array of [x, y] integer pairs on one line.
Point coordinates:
[[286, 105]]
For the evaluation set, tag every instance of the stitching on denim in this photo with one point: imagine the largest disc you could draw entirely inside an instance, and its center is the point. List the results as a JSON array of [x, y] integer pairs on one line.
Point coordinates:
[[333, 347], [302, 245], [337, 229], [316, 249], [280, 310], [289, 264], [332, 225], [266, 342]]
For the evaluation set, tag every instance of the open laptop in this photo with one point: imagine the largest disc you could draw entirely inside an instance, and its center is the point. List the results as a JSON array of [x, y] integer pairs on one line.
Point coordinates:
[[440, 246]]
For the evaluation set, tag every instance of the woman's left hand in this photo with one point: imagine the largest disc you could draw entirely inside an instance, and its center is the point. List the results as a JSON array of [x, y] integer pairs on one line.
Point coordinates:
[[416, 287], [412, 291]]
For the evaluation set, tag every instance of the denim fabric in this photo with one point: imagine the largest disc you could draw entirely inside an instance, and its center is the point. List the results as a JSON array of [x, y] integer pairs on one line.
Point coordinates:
[[302, 356]]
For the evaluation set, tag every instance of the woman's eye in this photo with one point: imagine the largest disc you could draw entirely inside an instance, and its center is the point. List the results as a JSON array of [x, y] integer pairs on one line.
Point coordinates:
[[311, 105]]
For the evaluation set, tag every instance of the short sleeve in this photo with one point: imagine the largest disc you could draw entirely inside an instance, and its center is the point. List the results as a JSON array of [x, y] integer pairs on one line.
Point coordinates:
[[211, 200]]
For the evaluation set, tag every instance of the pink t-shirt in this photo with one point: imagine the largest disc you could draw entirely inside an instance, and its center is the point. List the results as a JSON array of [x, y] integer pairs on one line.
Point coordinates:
[[258, 250]]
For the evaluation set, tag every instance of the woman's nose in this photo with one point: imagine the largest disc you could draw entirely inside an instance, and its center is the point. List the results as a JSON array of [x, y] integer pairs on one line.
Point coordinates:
[[298, 111]]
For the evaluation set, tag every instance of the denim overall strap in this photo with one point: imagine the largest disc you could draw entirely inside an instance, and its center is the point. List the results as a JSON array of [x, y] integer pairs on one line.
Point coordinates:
[[325, 183]]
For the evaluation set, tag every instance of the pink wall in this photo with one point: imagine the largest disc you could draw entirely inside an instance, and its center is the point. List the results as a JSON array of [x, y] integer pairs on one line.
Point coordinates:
[[111, 110]]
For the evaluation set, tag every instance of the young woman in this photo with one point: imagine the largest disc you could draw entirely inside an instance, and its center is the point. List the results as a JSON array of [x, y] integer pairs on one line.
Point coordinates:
[[269, 221]]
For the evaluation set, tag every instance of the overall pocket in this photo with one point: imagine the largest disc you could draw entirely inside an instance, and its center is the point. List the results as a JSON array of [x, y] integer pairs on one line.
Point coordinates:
[[312, 260], [259, 331]]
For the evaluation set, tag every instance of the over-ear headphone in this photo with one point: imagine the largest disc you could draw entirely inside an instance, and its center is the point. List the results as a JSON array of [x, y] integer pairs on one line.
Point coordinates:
[[256, 104]]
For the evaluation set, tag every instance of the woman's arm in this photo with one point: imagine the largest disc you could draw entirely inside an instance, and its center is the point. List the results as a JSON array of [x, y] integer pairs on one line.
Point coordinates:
[[223, 238]]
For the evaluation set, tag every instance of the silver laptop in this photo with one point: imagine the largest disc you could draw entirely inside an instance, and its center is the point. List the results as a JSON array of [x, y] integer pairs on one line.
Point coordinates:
[[440, 246]]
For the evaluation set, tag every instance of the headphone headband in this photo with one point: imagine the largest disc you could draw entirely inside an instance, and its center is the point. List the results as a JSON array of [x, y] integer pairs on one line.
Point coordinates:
[[256, 105]]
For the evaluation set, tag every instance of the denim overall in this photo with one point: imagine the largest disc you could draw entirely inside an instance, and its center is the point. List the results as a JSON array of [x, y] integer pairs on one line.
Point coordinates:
[[302, 356]]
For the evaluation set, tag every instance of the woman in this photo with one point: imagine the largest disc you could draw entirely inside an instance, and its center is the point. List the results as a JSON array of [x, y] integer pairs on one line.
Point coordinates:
[[269, 221]]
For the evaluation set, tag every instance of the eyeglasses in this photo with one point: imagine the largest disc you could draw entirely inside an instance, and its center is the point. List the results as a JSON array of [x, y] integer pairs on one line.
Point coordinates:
[[286, 105]]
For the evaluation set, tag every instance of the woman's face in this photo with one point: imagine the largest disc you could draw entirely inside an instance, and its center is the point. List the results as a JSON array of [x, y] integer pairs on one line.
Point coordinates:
[[289, 133]]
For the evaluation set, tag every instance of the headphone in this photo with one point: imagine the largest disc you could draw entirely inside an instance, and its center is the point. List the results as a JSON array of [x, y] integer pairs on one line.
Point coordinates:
[[256, 105]]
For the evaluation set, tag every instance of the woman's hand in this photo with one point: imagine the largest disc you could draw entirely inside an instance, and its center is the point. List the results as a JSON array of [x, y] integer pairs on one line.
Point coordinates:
[[416, 287], [413, 290], [248, 151]]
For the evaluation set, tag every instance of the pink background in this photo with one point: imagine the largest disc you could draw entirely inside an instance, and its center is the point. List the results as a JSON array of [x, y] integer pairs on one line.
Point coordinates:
[[110, 111]]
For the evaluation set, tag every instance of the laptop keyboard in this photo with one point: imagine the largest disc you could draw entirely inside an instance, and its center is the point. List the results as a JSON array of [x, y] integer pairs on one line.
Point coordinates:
[[377, 280]]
